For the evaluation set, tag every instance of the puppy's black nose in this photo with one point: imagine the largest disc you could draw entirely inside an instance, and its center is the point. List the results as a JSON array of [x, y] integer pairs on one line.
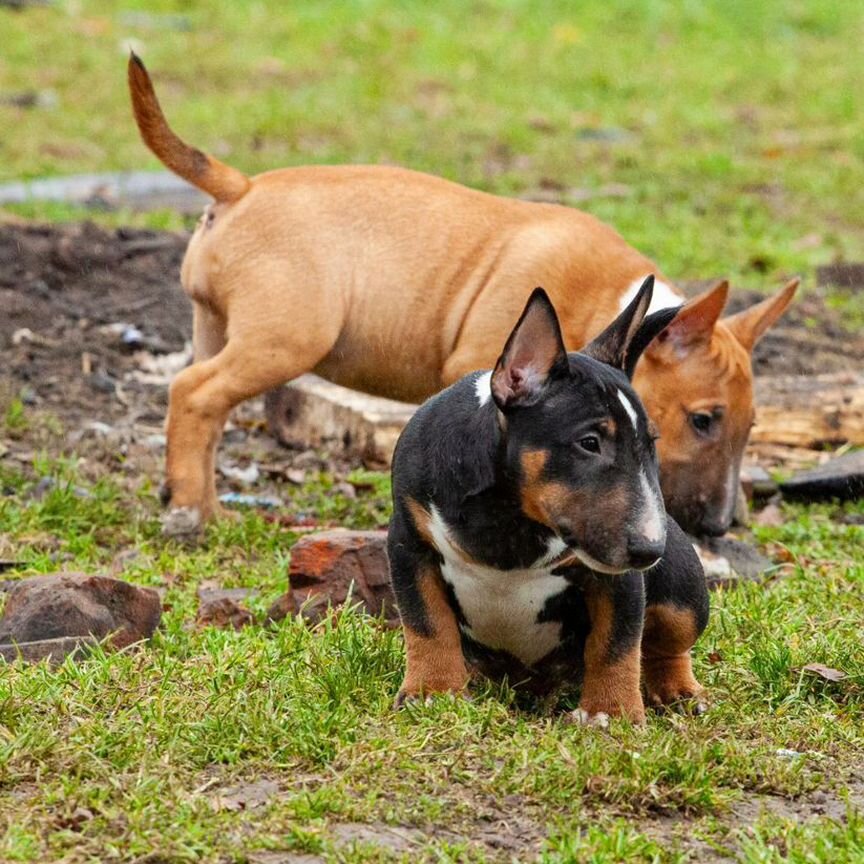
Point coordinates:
[[643, 553]]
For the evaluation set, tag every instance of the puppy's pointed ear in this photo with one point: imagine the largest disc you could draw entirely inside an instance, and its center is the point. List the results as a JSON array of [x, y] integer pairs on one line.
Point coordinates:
[[693, 324], [651, 328], [533, 354], [749, 325], [613, 344]]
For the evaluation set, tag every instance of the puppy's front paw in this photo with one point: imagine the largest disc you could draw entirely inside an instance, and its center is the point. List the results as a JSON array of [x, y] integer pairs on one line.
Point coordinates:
[[581, 717], [599, 712], [671, 683], [687, 699], [182, 523], [404, 697]]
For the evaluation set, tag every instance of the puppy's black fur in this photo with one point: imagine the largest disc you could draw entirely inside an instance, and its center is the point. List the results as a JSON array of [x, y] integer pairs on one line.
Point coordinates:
[[528, 519]]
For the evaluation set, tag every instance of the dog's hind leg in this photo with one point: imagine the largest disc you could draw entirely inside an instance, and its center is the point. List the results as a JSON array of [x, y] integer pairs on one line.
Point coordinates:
[[676, 613], [266, 346], [208, 339]]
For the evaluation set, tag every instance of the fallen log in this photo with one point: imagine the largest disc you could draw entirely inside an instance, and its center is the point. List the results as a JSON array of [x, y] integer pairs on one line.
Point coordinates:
[[312, 412], [809, 411], [793, 411]]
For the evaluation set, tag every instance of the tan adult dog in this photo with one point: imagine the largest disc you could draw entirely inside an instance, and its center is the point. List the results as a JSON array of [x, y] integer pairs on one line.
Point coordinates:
[[398, 283]]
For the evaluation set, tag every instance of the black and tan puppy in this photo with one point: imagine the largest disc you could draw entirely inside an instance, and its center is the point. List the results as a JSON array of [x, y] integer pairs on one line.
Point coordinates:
[[529, 538]]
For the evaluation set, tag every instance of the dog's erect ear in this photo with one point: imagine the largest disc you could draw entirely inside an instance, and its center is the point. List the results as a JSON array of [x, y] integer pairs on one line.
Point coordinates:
[[613, 344], [651, 328], [534, 351], [693, 324], [749, 325]]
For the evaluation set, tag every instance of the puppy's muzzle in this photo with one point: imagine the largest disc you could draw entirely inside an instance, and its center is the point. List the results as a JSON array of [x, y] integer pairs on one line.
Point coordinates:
[[643, 553]]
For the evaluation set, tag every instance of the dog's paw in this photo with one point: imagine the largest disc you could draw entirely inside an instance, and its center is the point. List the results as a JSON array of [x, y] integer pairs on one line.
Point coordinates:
[[692, 702], [403, 698], [581, 717], [182, 522], [683, 697]]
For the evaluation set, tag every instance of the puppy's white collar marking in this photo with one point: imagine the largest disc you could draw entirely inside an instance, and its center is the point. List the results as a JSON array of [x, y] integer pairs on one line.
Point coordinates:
[[631, 411], [502, 607], [662, 297], [483, 387]]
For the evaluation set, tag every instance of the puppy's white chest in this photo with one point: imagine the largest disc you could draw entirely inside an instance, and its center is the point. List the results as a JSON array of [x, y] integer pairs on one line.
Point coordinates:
[[502, 607]]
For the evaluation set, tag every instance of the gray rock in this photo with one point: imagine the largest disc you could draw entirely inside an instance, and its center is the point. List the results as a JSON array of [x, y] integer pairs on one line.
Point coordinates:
[[77, 605], [757, 482], [728, 561], [841, 478]]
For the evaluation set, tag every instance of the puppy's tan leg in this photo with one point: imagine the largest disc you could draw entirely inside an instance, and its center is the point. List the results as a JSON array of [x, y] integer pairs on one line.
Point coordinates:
[[268, 343], [434, 662], [611, 684], [208, 339], [670, 632]]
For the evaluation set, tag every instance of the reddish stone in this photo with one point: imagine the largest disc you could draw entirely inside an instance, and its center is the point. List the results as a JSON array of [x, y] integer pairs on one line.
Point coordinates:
[[283, 607], [74, 604], [329, 566], [223, 612]]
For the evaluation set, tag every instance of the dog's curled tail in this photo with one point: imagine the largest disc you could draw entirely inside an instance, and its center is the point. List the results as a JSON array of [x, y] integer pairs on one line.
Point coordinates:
[[210, 175]]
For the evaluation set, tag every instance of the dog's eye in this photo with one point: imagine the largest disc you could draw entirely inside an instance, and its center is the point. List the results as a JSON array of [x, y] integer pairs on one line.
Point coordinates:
[[702, 422], [590, 443]]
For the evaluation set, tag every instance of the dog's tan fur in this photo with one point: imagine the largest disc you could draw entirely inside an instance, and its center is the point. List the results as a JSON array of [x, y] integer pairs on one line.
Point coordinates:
[[670, 632], [398, 283]]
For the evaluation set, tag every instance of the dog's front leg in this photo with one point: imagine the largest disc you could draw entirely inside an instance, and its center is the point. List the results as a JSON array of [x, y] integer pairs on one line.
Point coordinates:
[[676, 613], [433, 646], [610, 686]]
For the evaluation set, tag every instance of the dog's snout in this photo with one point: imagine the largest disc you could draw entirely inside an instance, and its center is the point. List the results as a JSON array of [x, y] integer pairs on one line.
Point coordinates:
[[643, 552]]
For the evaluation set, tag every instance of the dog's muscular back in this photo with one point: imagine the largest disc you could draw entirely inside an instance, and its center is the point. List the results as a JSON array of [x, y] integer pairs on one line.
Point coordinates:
[[421, 272]]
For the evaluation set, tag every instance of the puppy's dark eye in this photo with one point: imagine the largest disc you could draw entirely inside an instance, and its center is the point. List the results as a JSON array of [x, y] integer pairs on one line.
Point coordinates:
[[590, 443], [702, 422]]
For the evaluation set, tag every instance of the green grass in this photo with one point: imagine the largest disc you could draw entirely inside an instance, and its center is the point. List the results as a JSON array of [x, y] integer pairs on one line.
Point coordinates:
[[735, 127], [133, 754], [734, 124]]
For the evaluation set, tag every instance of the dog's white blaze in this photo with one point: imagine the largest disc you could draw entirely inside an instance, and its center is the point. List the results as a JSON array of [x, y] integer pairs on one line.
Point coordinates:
[[651, 523], [501, 606], [662, 297], [631, 411], [483, 387]]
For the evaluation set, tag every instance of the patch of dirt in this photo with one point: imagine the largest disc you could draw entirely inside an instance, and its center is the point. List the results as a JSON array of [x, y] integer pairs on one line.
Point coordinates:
[[810, 339], [65, 293], [676, 830]]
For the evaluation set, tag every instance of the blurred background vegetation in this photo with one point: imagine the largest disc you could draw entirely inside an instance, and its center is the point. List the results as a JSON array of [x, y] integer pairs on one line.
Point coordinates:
[[721, 137]]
